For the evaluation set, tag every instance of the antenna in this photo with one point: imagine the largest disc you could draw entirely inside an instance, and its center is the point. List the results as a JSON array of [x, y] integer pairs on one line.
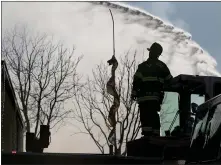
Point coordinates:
[[113, 33]]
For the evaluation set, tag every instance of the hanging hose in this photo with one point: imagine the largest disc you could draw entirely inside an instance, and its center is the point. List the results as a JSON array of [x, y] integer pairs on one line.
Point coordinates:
[[111, 89], [113, 33]]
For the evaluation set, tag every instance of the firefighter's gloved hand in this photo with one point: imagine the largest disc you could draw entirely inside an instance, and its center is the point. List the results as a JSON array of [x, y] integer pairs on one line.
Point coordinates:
[[133, 97]]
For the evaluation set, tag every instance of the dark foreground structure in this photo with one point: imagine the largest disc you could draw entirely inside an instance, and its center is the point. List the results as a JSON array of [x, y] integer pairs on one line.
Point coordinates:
[[61, 158], [12, 123], [202, 145]]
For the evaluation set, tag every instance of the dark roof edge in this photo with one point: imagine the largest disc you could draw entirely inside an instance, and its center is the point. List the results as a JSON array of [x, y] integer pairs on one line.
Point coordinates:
[[3, 63]]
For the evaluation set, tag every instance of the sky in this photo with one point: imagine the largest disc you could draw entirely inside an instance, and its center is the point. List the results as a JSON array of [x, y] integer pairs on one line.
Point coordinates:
[[89, 27], [200, 19]]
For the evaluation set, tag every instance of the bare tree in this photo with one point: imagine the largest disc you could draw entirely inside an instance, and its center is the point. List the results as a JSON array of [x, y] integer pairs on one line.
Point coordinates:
[[92, 106], [43, 72]]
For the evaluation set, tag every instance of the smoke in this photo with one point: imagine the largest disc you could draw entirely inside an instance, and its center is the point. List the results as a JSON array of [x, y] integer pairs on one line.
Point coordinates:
[[89, 27]]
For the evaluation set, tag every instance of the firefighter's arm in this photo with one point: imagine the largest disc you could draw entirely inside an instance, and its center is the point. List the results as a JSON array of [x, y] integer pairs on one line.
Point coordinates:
[[167, 75], [136, 83], [135, 87]]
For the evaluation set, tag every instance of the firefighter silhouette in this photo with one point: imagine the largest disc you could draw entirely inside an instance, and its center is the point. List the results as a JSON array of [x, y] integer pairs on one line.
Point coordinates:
[[148, 89]]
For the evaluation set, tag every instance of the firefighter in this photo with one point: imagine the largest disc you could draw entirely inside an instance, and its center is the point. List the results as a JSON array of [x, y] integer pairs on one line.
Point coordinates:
[[148, 89]]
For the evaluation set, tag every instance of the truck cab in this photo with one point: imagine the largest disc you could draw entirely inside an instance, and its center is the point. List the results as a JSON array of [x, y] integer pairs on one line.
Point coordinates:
[[200, 144]]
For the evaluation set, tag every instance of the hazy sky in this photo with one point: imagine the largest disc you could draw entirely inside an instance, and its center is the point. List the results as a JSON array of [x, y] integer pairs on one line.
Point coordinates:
[[201, 19]]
